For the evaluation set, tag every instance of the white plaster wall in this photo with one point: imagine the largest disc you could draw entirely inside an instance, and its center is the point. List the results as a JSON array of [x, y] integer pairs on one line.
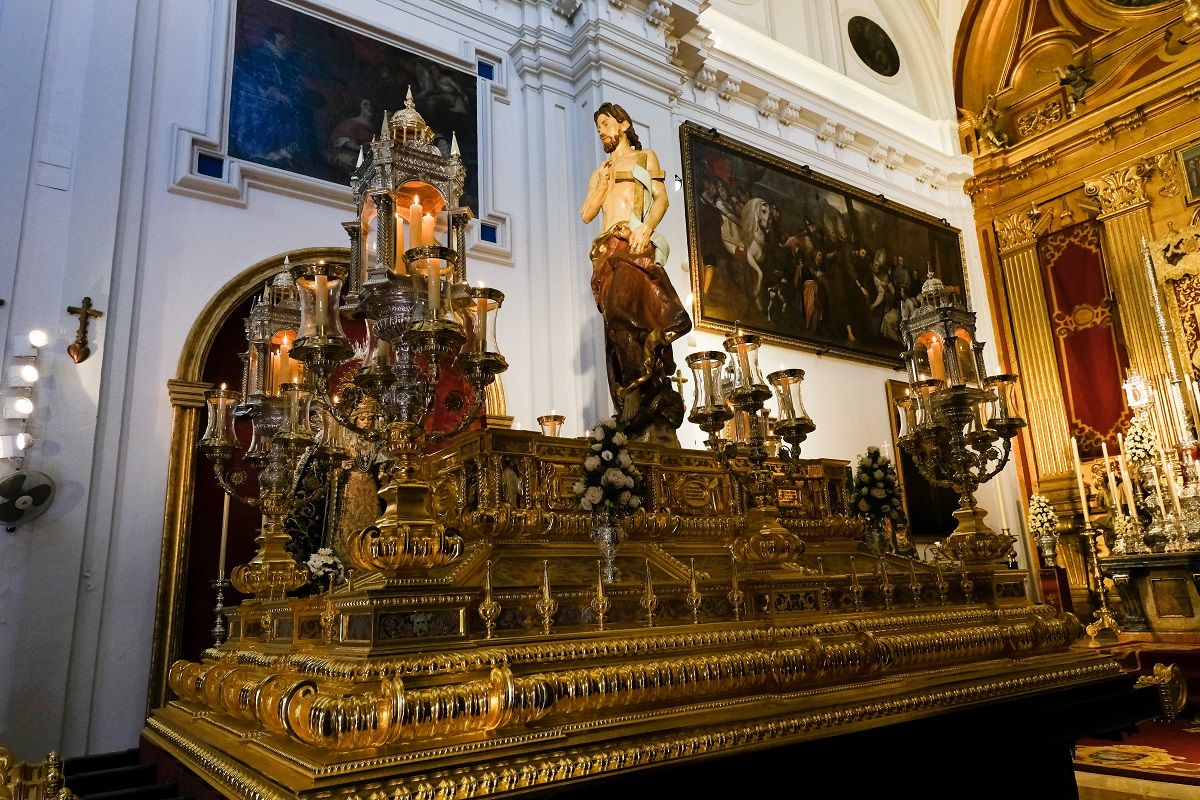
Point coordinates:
[[110, 89]]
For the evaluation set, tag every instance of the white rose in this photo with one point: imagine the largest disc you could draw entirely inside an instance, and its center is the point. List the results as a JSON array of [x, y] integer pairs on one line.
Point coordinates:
[[624, 460], [635, 501], [625, 495], [607, 455], [597, 447], [619, 439], [591, 463], [598, 433], [585, 505], [613, 477], [594, 494], [579, 488], [629, 481]]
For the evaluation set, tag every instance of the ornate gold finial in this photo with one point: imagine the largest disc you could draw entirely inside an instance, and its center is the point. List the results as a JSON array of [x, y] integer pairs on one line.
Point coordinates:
[[965, 583], [600, 604], [694, 598], [856, 589], [915, 585], [489, 609], [943, 586], [407, 125], [889, 591], [825, 593], [384, 133], [649, 601], [737, 597], [455, 152], [547, 605]]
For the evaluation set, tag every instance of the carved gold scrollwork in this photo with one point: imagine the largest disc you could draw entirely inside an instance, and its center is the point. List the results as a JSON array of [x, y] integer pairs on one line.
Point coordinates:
[[1120, 189], [1017, 231], [1037, 120]]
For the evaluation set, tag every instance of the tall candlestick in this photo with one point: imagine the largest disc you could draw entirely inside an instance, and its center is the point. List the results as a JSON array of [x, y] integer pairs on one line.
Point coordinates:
[[1001, 502], [481, 322], [1125, 479], [414, 221], [321, 304], [1162, 512], [1169, 474], [276, 377], [427, 223], [224, 538], [399, 268], [1112, 480], [743, 358], [1079, 479], [434, 277]]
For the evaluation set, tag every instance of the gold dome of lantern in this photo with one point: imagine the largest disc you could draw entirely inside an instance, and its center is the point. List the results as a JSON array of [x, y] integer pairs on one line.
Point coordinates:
[[407, 124]]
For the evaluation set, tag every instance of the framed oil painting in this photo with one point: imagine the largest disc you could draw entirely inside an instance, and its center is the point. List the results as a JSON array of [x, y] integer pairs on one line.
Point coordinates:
[[1189, 162], [306, 94], [802, 259]]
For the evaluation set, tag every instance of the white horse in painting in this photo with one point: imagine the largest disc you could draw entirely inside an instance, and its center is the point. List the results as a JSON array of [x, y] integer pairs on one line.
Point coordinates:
[[756, 216]]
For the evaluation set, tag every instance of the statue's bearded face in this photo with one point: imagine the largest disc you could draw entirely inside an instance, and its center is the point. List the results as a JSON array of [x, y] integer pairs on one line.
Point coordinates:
[[610, 132]]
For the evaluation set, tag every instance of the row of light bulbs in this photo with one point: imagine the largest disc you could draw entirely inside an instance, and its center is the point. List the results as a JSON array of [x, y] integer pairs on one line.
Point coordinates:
[[18, 405]]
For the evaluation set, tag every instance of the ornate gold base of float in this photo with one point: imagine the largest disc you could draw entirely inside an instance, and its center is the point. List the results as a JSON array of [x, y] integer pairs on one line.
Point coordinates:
[[402, 687]]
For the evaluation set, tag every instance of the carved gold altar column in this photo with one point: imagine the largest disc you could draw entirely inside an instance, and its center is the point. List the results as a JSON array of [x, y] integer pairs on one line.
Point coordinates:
[[187, 400], [1046, 411], [1125, 217]]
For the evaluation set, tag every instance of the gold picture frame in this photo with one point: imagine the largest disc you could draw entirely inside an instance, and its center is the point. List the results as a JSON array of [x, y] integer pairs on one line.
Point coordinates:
[[1189, 166], [802, 259]]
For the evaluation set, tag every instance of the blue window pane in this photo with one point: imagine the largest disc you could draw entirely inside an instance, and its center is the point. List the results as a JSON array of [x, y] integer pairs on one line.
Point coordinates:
[[488, 233], [210, 165], [486, 71]]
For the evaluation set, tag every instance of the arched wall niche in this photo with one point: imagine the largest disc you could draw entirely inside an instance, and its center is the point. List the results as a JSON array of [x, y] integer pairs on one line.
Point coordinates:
[[187, 468]]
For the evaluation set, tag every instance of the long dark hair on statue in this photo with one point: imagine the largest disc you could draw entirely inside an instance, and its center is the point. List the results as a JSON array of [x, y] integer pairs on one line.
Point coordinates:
[[620, 115]]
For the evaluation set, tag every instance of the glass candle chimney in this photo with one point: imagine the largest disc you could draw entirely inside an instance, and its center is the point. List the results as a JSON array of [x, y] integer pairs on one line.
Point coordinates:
[[706, 367], [220, 432]]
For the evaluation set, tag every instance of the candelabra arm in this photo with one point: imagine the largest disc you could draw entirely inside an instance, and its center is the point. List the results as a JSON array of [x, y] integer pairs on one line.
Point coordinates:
[[229, 486]]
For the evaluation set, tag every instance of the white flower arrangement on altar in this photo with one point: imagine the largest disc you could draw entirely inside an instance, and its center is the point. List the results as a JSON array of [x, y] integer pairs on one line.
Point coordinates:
[[324, 564], [1042, 520], [1141, 445], [609, 481], [876, 488]]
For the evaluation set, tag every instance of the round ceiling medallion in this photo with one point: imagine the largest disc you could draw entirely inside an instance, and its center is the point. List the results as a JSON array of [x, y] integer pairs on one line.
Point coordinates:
[[873, 46]]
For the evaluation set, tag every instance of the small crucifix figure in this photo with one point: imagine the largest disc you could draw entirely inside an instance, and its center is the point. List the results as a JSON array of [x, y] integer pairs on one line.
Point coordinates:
[[679, 380], [78, 350]]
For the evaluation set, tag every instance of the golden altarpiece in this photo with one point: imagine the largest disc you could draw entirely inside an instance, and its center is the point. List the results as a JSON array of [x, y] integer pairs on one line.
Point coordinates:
[[1080, 113], [479, 648]]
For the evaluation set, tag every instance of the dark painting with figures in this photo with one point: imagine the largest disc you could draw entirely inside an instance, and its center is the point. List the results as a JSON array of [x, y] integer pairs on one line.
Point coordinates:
[[307, 94], [803, 259]]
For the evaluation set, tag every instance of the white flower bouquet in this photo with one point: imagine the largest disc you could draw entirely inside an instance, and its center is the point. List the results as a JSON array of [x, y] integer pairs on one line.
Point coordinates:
[[876, 488], [609, 481], [1141, 445], [324, 564], [1041, 519]]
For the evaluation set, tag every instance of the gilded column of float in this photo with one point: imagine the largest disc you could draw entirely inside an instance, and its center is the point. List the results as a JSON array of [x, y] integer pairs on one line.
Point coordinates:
[[187, 398], [1047, 413], [1125, 216]]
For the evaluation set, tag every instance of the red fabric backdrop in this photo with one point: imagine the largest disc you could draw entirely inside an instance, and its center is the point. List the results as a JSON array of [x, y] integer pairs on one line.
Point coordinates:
[[1089, 349]]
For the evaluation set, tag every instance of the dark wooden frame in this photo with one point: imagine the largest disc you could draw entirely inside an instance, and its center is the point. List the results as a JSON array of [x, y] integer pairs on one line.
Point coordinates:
[[871, 231]]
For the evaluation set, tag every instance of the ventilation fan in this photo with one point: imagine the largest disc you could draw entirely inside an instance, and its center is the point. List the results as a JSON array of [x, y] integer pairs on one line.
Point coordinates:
[[24, 495]]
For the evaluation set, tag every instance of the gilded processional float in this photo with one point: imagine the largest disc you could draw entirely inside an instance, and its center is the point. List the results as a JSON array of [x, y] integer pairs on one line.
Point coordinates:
[[505, 628]]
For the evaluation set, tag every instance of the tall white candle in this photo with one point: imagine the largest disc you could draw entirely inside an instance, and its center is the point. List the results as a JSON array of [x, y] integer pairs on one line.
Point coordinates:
[[1125, 479], [399, 265], [224, 539], [414, 221], [1169, 474], [1083, 502], [1001, 502], [427, 223], [1113, 497], [321, 304]]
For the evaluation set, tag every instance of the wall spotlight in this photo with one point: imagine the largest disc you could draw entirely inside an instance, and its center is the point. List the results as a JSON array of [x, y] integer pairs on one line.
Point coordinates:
[[25, 369], [678, 183], [38, 337]]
